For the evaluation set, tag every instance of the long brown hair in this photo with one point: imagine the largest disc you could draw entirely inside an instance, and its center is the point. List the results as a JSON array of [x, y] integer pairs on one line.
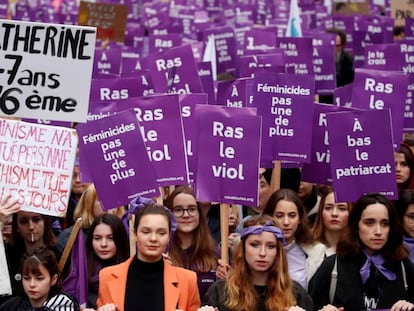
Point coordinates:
[[318, 229], [204, 256], [303, 234], [241, 294]]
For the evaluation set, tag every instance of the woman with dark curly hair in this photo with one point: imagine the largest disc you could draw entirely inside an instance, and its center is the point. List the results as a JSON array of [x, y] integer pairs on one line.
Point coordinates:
[[371, 263]]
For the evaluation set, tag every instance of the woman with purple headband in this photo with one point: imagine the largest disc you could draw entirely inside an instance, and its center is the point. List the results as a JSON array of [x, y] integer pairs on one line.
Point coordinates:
[[259, 278]]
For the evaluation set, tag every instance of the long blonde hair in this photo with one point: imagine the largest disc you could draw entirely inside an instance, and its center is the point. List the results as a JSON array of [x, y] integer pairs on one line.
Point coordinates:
[[241, 294]]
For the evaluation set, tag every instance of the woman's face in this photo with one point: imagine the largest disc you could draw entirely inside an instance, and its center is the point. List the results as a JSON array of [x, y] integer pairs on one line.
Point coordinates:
[[31, 227], [186, 212], [152, 237], [374, 227], [402, 170], [260, 251], [408, 221], [334, 215], [103, 243], [37, 286], [287, 217]]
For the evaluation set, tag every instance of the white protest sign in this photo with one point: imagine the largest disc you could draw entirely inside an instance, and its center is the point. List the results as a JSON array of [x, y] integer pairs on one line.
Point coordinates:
[[5, 284], [45, 70], [36, 165]]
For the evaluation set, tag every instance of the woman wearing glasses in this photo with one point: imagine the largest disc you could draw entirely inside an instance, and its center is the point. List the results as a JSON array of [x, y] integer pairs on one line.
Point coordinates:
[[193, 246]]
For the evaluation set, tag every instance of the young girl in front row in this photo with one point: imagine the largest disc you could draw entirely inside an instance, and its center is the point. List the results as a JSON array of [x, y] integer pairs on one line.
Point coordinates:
[[42, 291]]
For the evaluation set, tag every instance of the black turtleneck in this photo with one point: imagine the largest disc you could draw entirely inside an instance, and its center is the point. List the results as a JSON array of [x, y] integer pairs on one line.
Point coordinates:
[[145, 286]]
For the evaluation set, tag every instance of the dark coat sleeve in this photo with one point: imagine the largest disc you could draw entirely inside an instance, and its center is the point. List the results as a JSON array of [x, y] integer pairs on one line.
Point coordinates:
[[215, 295], [320, 283], [303, 299]]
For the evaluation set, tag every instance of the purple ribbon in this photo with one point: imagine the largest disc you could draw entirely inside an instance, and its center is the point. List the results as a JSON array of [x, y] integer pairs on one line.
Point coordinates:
[[268, 227], [139, 203], [377, 260]]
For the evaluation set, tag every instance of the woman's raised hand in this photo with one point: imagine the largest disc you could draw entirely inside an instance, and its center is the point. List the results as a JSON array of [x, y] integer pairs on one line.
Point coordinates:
[[8, 206]]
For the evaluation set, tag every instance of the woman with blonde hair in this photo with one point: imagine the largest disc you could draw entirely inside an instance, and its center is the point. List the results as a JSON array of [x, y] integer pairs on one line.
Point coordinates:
[[259, 278]]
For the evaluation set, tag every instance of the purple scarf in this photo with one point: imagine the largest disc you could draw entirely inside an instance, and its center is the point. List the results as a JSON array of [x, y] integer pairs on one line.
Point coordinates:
[[377, 260]]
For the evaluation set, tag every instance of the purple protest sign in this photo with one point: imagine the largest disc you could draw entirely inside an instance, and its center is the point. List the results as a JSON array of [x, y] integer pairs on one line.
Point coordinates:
[[99, 110], [114, 89], [257, 40], [375, 89], [158, 43], [225, 47], [117, 159], [298, 54], [232, 93], [324, 62], [206, 76], [319, 169], [228, 149], [174, 71], [357, 167], [159, 118], [188, 103], [407, 50], [383, 57], [107, 61], [285, 101], [361, 39], [3, 8], [343, 95], [248, 65]]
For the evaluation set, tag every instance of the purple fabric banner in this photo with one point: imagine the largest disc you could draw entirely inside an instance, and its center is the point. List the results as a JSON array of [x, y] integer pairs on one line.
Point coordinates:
[[228, 149], [375, 89], [188, 103], [117, 159], [175, 71], [319, 169], [285, 101], [298, 54], [357, 167], [232, 93], [160, 122]]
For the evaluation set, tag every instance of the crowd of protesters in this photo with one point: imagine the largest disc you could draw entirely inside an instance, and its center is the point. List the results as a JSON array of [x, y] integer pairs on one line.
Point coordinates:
[[298, 249]]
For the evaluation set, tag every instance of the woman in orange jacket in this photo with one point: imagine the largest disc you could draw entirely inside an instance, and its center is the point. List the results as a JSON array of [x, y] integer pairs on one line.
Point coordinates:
[[147, 281]]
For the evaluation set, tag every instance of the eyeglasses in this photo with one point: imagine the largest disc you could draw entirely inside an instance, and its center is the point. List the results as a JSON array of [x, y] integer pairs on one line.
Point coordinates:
[[179, 211], [410, 218]]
